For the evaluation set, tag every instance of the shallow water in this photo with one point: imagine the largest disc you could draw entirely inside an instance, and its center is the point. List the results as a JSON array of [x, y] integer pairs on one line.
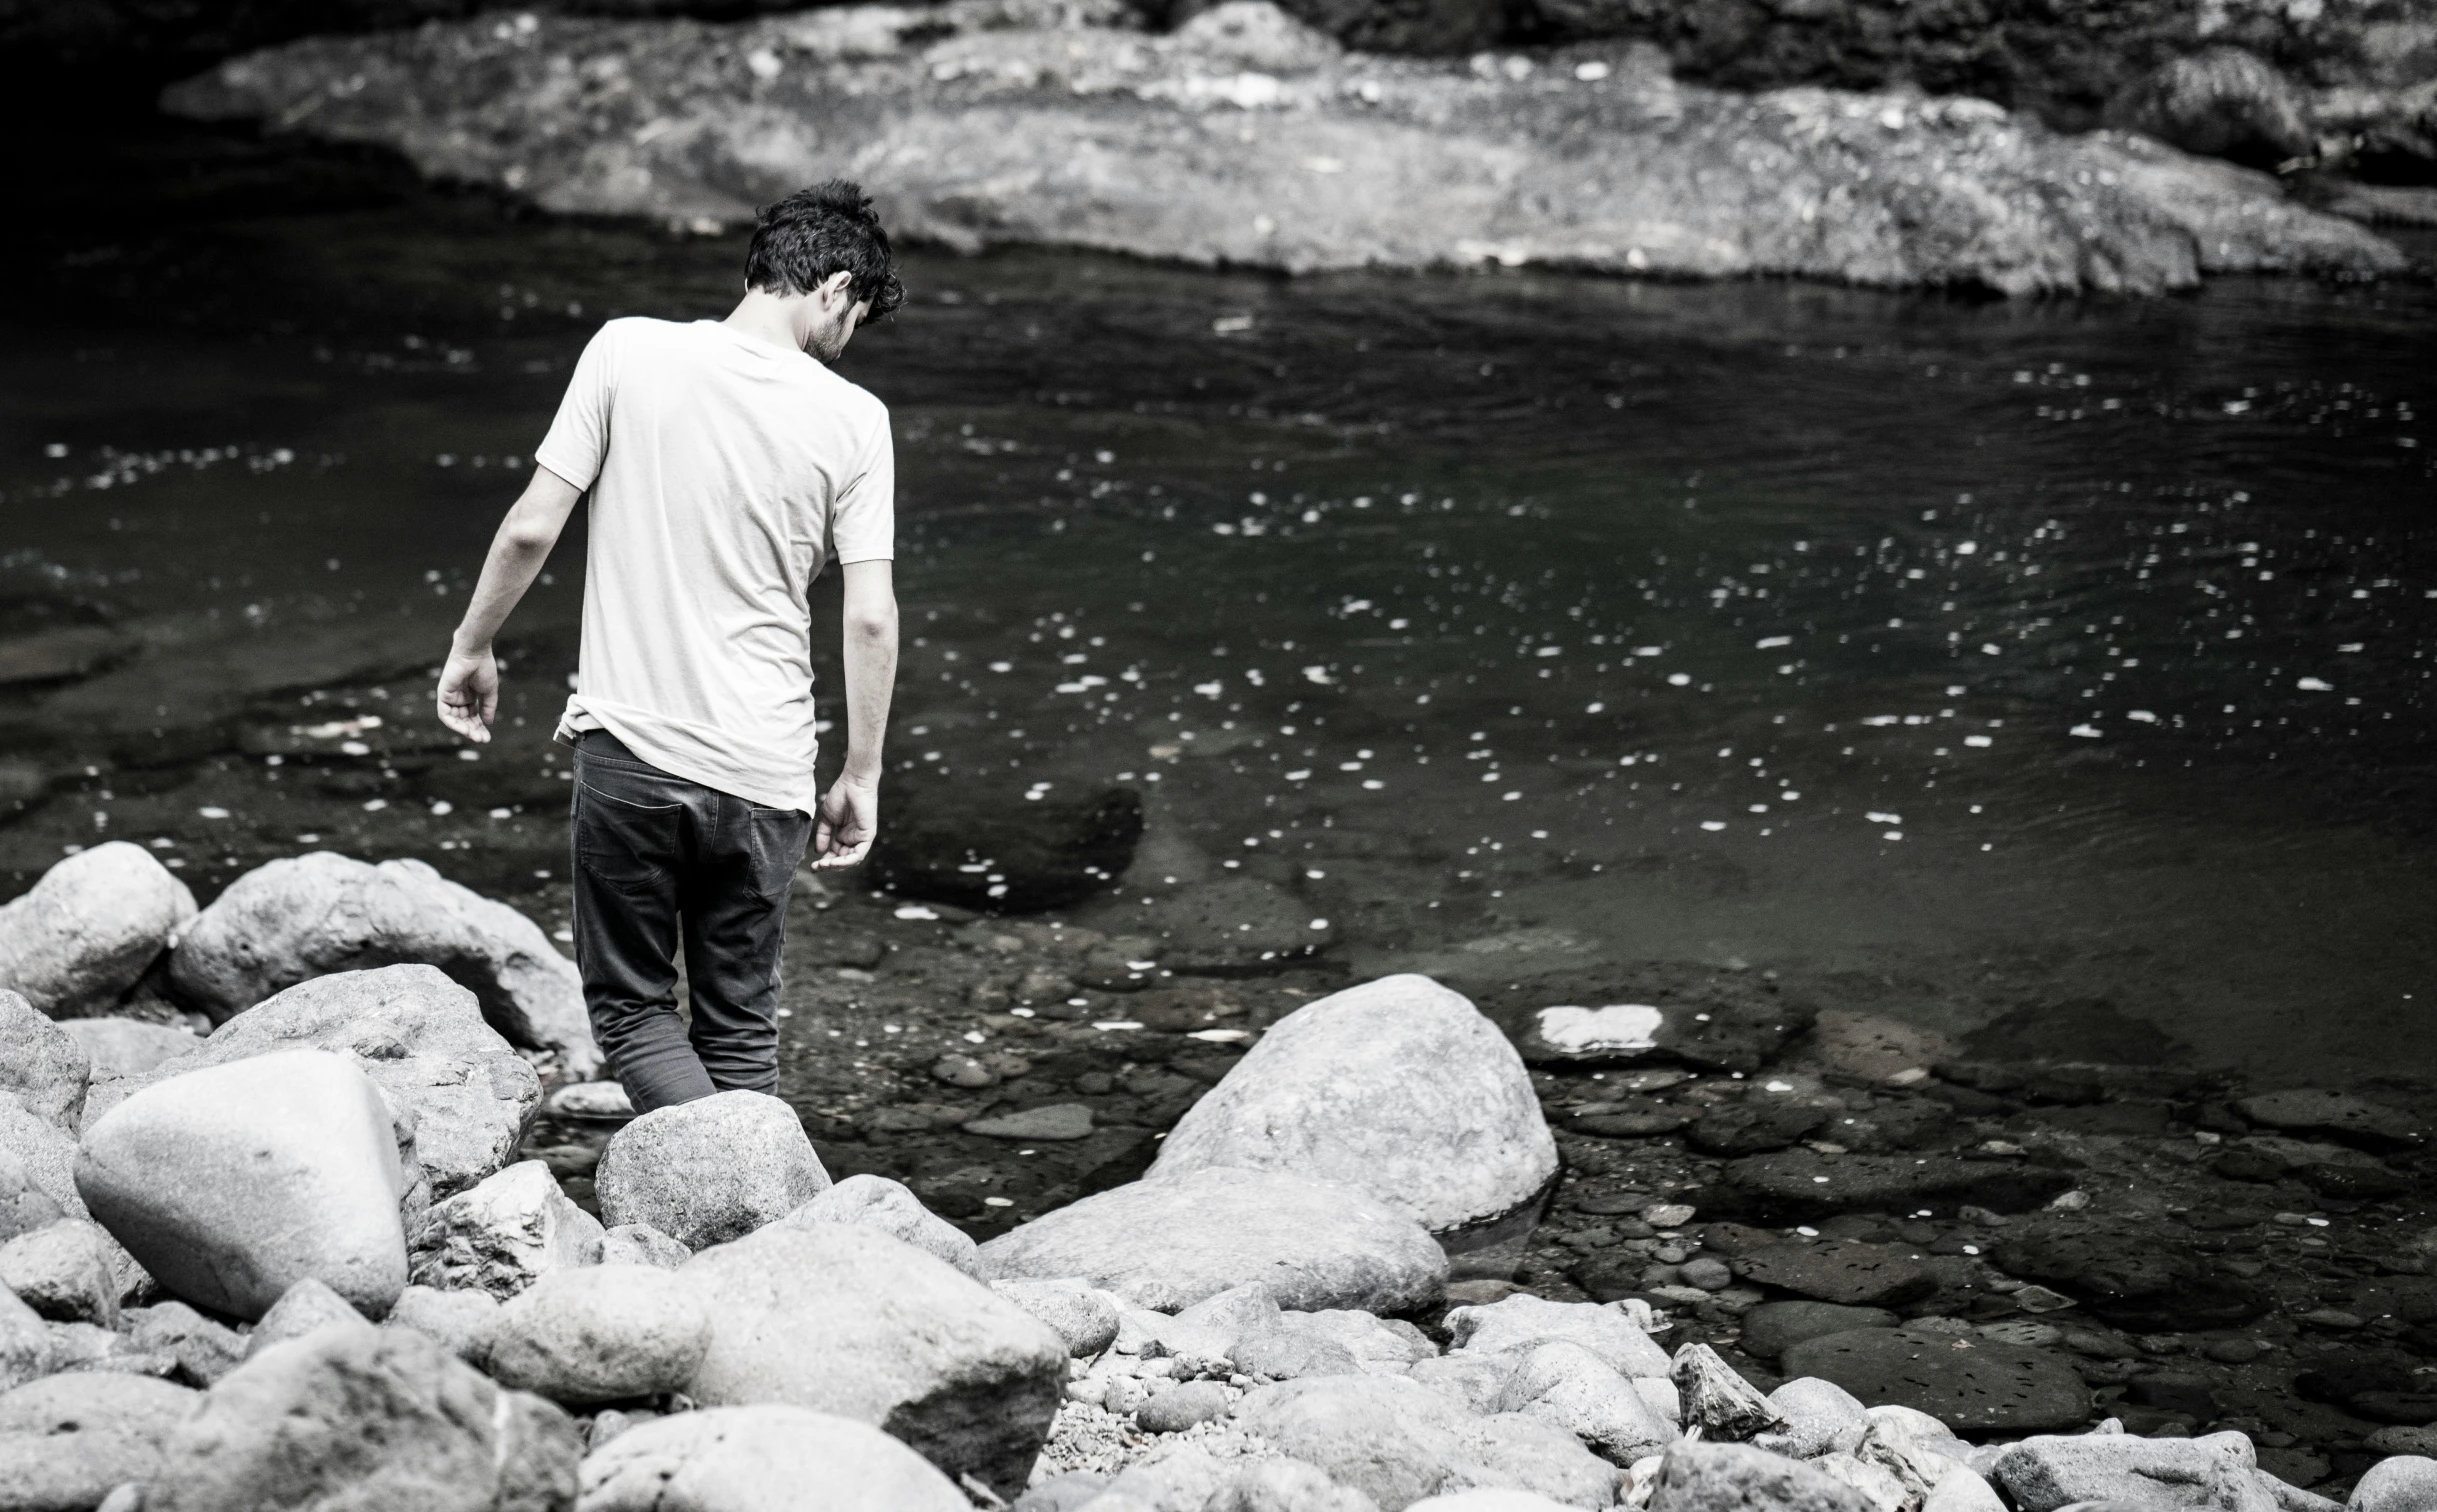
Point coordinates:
[[1944, 658]]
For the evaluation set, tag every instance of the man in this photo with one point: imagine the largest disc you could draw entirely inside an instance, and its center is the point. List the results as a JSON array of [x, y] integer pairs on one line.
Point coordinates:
[[726, 463]]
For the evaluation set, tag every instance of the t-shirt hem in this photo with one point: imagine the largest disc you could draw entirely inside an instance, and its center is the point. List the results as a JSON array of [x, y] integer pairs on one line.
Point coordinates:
[[576, 477], [849, 558], [634, 735]]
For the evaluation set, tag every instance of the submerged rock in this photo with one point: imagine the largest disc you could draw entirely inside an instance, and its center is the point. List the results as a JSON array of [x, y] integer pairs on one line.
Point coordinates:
[[232, 1183], [1170, 1243], [771, 1458], [84, 933], [843, 1319], [466, 1096], [357, 1416], [1987, 1387], [1246, 139], [1399, 1088], [307, 916], [980, 848], [711, 1170]]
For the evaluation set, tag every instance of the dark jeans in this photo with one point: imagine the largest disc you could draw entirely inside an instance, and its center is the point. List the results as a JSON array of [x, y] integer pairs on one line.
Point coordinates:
[[656, 855]]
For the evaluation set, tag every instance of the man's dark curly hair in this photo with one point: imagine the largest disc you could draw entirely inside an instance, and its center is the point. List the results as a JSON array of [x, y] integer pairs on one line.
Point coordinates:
[[817, 232]]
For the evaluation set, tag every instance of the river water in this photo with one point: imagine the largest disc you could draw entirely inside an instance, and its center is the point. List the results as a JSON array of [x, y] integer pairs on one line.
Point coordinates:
[[1945, 658]]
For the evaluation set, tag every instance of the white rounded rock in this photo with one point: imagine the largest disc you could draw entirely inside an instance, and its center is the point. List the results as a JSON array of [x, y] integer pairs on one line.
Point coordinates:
[[306, 916], [1167, 1244], [844, 1319], [601, 1334], [1524, 1321], [711, 1170], [1399, 1088], [770, 1458], [84, 933], [232, 1183], [2398, 1483]]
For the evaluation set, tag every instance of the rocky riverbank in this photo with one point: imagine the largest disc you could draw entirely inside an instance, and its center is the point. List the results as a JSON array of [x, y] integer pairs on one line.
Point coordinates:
[[1249, 1240], [1245, 138]]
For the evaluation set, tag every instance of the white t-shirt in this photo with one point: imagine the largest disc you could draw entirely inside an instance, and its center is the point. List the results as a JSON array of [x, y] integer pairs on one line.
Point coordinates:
[[724, 471]]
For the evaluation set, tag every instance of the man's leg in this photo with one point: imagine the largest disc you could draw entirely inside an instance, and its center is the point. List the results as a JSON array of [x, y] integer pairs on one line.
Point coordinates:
[[735, 907], [634, 827]]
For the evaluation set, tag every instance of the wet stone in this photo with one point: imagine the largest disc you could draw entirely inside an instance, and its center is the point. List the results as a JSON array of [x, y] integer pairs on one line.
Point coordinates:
[[2140, 1282], [2309, 1110], [1792, 1186], [979, 848], [1631, 1118], [1751, 1127], [1716, 1028], [1973, 1386], [1855, 1275], [1772, 1328], [1056, 1122]]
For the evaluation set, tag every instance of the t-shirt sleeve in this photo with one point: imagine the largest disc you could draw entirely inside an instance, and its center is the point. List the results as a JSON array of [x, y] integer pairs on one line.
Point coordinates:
[[579, 437], [863, 517]]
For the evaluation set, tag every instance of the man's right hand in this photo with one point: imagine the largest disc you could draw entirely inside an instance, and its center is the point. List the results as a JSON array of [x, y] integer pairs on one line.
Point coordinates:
[[469, 694], [849, 819]]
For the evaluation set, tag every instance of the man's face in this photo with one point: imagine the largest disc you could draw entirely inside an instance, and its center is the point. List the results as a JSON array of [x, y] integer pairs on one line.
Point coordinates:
[[834, 323]]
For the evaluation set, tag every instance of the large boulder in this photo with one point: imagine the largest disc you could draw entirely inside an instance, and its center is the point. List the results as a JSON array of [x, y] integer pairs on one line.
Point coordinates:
[[67, 1440], [233, 1182], [41, 1064], [1397, 1441], [877, 1202], [353, 1416], [1567, 1385], [2218, 1470], [843, 1319], [2220, 102], [771, 1458], [1699, 1476], [467, 1096], [711, 1170], [307, 916], [1399, 1088], [83, 935], [1170, 1243], [601, 1334], [503, 1234], [2397, 1483]]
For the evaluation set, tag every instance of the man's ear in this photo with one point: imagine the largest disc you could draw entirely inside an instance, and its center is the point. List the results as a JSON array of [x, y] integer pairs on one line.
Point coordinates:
[[838, 285]]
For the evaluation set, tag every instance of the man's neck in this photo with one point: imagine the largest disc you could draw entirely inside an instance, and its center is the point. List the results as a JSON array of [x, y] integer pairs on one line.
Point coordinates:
[[764, 318]]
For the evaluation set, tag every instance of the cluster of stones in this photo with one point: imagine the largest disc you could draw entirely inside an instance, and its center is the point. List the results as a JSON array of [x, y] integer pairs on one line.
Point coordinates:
[[295, 1264]]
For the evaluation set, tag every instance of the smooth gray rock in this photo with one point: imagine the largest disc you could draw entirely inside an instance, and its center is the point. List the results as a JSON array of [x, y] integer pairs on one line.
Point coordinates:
[[204, 1350], [1701, 1477], [83, 934], [67, 1440], [462, 1093], [25, 1345], [234, 1182], [1290, 1485], [1565, 1384], [353, 1416], [1056, 1123], [304, 1307], [709, 1171], [1772, 1328], [307, 916], [770, 1458], [1386, 1346], [118, 1047], [1399, 1088], [641, 1244], [877, 1202], [1842, 1272], [502, 1235], [2043, 1473], [1524, 1321], [1182, 1407], [1962, 1490], [63, 1271], [1285, 1355], [41, 1064], [1076, 1311], [24, 1207], [2398, 1483], [1397, 1441], [459, 1321], [601, 1334], [1820, 1417], [1168, 1244], [1988, 1388], [844, 1319], [1472, 1381]]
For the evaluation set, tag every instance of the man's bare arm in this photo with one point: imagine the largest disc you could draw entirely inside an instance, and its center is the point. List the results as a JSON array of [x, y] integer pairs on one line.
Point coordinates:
[[850, 813], [469, 681]]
